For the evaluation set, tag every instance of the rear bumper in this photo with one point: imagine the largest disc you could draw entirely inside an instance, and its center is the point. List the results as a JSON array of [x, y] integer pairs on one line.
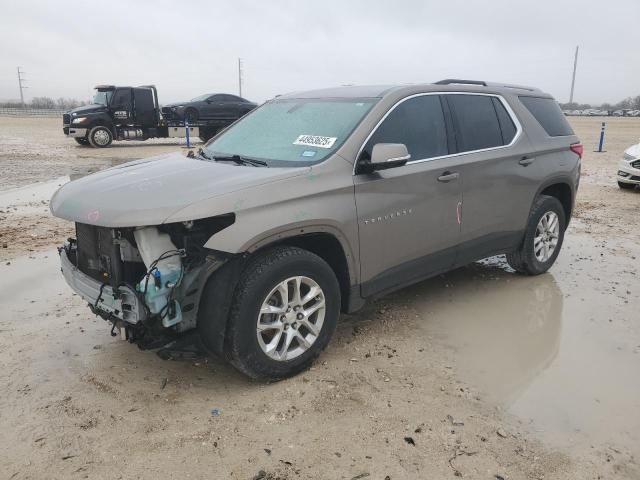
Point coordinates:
[[124, 305]]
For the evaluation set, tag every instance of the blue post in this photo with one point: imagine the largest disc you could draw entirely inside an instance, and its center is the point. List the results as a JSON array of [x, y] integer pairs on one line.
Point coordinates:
[[186, 126], [601, 142]]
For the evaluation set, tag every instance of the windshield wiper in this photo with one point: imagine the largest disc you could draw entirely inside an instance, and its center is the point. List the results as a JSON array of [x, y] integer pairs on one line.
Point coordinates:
[[240, 160], [202, 153]]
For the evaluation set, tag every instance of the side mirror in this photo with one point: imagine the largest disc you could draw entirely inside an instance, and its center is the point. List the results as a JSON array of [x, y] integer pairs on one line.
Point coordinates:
[[388, 155]]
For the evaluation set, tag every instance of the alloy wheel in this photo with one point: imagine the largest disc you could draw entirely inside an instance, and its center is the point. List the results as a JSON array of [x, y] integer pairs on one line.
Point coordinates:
[[546, 238], [291, 318]]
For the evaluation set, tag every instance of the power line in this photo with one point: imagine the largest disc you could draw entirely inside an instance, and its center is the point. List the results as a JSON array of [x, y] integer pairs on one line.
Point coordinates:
[[21, 82], [573, 78]]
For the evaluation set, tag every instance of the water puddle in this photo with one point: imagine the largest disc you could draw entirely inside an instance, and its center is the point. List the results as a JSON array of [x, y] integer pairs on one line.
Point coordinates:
[[560, 350]]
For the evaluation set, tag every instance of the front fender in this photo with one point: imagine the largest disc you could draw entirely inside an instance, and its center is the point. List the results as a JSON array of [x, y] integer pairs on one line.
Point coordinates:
[[253, 231]]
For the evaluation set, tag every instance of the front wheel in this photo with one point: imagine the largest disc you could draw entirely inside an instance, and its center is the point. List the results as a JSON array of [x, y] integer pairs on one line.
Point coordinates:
[[100, 137], [284, 312], [543, 237]]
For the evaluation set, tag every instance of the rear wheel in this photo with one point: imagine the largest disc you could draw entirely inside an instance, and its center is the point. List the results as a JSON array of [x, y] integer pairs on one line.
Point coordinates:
[[284, 312], [82, 141], [626, 186], [100, 137], [543, 237]]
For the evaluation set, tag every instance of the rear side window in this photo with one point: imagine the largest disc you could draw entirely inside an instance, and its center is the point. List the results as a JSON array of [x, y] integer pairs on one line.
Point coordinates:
[[476, 122], [548, 114], [506, 123], [419, 124]]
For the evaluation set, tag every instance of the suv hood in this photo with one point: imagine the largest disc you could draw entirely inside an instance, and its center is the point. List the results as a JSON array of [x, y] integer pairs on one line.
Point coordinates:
[[92, 108], [147, 192]]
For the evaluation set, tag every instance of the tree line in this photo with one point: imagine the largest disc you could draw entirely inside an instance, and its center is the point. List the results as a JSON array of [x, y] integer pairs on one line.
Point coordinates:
[[46, 103], [629, 103]]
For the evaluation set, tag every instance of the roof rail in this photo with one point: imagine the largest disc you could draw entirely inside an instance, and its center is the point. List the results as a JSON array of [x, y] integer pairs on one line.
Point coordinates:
[[509, 85], [449, 81]]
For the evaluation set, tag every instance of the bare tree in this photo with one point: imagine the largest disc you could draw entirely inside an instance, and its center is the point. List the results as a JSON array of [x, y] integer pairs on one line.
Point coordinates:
[[43, 102]]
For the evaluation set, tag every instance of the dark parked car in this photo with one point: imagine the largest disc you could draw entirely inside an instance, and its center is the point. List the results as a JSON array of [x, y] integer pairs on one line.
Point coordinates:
[[210, 106]]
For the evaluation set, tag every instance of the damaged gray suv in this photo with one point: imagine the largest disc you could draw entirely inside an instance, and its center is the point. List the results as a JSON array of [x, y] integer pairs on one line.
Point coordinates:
[[311, 205]]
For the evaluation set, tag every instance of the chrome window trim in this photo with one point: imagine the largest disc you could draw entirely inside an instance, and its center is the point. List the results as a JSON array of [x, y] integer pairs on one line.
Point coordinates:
[[506, 105]]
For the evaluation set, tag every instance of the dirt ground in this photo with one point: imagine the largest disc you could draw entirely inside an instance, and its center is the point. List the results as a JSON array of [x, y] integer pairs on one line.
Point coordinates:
[[479, 373]]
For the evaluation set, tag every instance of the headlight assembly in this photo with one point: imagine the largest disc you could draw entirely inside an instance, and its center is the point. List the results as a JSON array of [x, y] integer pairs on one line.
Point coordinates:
[[79, 120]]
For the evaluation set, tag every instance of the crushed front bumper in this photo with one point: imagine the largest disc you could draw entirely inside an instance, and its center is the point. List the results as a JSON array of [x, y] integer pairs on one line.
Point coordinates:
[[123, 305]]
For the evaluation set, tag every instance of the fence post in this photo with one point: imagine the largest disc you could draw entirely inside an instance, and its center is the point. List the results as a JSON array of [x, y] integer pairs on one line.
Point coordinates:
[[186, 126], [601, 142]]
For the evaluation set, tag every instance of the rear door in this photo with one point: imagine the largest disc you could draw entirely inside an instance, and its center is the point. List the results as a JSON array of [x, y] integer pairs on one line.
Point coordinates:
[[408, 216], [497, 191]]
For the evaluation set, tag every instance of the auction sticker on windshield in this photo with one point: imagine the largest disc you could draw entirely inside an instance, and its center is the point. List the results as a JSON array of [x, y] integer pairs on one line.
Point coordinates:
[[315, 141]]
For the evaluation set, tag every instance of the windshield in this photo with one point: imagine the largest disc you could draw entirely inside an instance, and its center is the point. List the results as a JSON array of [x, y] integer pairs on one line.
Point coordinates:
[[102, 97], [292, 130], [201, 97]]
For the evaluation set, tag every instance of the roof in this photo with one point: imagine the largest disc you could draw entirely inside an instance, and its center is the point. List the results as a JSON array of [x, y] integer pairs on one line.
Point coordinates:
[[379, 91]]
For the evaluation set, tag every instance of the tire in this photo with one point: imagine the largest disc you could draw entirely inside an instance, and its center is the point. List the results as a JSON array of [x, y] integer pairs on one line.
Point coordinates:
[[82, 141], [246, 347], [525, 259], [191, 115], [100, 137], [626, 186]]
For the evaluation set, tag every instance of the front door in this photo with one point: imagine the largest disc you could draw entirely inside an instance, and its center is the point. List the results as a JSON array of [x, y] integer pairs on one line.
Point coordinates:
[[121, 107], [409, 216]]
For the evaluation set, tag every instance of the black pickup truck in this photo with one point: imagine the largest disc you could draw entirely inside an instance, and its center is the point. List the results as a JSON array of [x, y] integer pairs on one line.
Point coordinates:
[[133, 113]]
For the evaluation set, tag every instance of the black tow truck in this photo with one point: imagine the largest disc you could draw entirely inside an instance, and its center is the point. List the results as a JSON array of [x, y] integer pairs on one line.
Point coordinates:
[[131, 113]]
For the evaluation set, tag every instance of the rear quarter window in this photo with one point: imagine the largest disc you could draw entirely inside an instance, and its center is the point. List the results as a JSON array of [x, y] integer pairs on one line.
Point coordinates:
[[548, 114]]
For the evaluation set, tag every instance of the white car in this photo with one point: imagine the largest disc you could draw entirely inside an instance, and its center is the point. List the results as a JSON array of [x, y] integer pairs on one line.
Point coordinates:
[[629, 168]]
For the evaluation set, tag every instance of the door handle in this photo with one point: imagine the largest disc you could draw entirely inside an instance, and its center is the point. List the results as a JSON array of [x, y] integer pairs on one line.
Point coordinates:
[[525, 161], [448, 177]]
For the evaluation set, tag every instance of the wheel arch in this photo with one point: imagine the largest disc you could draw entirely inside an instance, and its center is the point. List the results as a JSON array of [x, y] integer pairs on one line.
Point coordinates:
[[102, 120], [326, 246], [561, 189]]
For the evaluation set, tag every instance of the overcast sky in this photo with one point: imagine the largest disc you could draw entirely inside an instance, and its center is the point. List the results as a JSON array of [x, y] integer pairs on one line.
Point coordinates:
[[188, 48]]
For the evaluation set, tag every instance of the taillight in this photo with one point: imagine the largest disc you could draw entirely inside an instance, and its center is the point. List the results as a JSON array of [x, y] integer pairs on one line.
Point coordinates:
[[577, 148]]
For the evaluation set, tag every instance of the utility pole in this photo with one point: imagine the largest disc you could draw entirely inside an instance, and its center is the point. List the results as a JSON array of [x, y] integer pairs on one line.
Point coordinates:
[[573, 78], [239, 77], [21, 81]]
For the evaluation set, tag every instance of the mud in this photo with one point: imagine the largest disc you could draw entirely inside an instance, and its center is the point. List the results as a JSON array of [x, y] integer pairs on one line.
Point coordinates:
[[479, 373]]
